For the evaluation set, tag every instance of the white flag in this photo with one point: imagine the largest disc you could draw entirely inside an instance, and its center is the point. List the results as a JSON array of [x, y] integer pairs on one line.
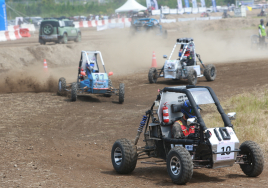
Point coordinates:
[[194, 3], [203, 3], [179, 4]]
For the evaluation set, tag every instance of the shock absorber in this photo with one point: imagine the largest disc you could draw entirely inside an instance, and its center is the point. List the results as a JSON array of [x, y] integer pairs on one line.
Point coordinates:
[[140, 129]]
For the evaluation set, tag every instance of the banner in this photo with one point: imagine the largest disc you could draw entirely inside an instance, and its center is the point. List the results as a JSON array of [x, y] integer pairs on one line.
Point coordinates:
[[179, 4], [194, 3], [203, 3], [186, 3], [3, 16], [152, 4], [214, 5]]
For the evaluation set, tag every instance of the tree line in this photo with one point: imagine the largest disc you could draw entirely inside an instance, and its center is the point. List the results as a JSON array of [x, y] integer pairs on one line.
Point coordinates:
[[52, 8]]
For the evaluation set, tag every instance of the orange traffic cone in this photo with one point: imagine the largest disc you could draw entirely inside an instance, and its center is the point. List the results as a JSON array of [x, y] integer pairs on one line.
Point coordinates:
[[45, 65], [154, 61]]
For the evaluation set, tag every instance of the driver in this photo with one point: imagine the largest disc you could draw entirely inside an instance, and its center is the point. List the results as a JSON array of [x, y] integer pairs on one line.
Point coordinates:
[[180, 129]]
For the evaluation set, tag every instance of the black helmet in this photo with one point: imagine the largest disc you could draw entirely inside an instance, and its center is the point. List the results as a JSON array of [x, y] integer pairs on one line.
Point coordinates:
[[188, 110], [261, 21]]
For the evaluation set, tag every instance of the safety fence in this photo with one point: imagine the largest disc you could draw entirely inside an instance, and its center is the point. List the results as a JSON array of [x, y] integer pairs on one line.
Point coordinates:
[[125, 22], [9, 35]]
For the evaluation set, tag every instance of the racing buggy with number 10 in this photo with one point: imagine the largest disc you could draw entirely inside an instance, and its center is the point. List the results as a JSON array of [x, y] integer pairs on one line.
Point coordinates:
[[197, 146], [90, 80]]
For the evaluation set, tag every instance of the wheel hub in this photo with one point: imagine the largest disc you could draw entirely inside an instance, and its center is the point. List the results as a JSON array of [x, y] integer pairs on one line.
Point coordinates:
[[118, 156], [175, 165]]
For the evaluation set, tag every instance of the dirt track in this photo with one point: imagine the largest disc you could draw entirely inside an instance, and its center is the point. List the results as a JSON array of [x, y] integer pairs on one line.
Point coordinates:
[[48, 141]]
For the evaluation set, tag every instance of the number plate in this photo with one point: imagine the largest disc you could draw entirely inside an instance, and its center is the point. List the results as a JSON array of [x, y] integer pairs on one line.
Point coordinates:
[[225, 147]]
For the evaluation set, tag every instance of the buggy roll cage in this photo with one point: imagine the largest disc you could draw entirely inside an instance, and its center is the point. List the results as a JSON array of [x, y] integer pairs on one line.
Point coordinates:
[[149, 115], [95, 53]]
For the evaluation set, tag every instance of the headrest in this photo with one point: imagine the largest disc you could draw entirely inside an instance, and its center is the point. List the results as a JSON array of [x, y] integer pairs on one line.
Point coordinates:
[[176, 108]]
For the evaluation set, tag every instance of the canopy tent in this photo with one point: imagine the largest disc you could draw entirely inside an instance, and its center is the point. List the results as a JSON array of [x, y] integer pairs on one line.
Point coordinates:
[[131, 5]]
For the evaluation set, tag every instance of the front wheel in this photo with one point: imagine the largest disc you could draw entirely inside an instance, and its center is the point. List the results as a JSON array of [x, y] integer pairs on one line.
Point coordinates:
[[210, 72], [124, 156], [179, 165], [61, 86], [152, 75], [192, 77], [74, 92], [121, 93], [254, 158]]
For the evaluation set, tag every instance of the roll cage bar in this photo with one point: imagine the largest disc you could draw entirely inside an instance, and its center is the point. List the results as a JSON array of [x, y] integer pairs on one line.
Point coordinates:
[[226, 120]]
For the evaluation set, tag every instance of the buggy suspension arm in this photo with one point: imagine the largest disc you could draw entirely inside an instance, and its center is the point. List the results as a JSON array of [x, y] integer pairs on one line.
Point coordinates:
[[199, 58]]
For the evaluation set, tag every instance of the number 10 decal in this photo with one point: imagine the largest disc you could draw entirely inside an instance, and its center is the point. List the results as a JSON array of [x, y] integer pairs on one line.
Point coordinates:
[[228, 148]]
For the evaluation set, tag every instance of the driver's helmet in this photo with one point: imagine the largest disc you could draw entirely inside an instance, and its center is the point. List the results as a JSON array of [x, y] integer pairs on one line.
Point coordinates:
[[188, 110], [261, 21]]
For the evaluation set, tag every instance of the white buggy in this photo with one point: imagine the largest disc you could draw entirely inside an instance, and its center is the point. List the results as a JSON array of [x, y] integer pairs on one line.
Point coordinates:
[[185, 66], [205, 148]]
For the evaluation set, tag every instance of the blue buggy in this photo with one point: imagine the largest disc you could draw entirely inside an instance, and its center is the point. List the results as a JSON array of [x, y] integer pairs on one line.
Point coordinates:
[[90, 80], [146, 25]]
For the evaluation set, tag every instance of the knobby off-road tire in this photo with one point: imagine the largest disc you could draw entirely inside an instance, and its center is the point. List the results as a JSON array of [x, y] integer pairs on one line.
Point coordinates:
[[179, 165], [152, 75], [78, 39], [61, 86], [192, 77], [121, 93], [74, 92], [254, 156], [124, 156], [64, 39], [210, 72]]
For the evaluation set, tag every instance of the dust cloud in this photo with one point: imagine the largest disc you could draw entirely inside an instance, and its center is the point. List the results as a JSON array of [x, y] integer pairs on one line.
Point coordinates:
[[217, 41]]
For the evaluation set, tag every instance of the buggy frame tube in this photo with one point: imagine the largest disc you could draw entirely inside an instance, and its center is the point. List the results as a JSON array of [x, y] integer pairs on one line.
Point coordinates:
[[187, 44], [192, 102], [226, 120]]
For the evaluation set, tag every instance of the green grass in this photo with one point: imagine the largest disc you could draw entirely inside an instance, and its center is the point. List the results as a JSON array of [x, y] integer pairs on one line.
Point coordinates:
[[252, 116]]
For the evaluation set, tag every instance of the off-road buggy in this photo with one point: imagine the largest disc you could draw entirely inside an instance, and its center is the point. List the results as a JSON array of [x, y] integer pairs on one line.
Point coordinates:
[[185, 67], [90, 80], [147, 25], [206, 148]]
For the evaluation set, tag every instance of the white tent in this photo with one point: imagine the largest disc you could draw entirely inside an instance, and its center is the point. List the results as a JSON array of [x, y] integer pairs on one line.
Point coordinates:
[[131, 5]]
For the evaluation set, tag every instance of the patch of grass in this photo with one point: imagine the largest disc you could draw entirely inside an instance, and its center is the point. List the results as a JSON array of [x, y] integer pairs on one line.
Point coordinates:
[[252, 116]]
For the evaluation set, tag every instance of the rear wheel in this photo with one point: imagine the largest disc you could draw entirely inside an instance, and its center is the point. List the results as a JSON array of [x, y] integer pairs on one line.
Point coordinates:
[[42, 42], [254, 158], [124, 156], [192, 77], [74, 92], [61, 86], [152, 75], [121, 93], [179, 165], [210, 72]]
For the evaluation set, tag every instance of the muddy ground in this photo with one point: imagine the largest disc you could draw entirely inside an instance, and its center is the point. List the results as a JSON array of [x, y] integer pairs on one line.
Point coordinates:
[[48, 141]]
